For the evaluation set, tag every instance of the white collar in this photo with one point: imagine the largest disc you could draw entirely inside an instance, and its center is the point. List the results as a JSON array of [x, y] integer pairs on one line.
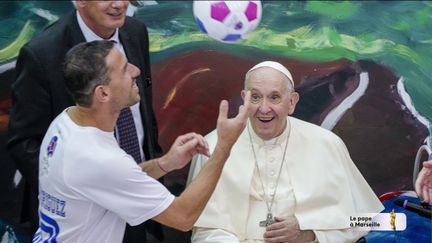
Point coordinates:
[[89, 35], [274, 141]]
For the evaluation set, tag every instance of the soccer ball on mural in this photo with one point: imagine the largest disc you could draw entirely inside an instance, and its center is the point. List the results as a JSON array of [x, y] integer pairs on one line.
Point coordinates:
[[227, 21]]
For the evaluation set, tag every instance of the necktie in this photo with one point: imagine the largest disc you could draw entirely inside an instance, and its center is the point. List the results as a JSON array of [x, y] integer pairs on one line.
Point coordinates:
[[127, 135]]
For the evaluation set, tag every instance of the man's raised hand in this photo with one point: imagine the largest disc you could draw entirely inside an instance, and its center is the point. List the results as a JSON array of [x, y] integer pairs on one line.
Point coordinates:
[[229, 129]]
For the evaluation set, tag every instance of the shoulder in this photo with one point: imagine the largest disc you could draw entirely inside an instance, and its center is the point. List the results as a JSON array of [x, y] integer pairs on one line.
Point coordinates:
[[55, 36], [309, 130], [133, 25], [133, 21], [104, 160], [55, 32]]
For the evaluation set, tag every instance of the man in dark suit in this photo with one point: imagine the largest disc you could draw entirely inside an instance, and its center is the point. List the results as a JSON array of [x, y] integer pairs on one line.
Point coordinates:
[[39, 93]]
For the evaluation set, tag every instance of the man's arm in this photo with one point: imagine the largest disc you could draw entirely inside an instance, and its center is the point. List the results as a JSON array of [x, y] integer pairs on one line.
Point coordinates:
[[423, 185], [180, 153], [186, 208]]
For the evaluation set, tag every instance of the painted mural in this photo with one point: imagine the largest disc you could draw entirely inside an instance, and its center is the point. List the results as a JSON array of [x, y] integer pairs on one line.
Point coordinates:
[[362, 68]]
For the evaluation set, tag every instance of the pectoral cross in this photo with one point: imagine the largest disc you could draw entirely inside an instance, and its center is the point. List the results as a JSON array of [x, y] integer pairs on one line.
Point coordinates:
[[268, 221]]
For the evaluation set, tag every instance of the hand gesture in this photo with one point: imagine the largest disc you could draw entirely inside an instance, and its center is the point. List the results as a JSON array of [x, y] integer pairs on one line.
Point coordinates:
[[182, 151], [423, 185], [228, 130]]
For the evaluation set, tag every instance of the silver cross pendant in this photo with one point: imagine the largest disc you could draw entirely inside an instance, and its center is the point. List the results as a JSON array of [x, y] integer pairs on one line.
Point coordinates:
[[268, 221]]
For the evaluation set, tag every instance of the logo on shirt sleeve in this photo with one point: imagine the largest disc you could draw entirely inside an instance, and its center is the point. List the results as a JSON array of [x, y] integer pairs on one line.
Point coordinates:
[[52, 146]]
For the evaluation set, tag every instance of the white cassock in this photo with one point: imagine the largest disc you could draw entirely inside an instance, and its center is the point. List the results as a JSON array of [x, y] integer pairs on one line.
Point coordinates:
[[319, 184]]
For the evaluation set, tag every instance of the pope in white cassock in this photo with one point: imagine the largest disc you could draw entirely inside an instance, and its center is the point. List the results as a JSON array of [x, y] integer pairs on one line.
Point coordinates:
[[285, 180]]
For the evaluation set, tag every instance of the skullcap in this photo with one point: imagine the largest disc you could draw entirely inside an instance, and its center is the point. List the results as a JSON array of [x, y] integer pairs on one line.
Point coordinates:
[[276, 66]]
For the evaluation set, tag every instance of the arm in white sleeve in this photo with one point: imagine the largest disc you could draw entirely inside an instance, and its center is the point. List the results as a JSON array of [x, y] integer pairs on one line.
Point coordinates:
[[206, 235], [342, 236]]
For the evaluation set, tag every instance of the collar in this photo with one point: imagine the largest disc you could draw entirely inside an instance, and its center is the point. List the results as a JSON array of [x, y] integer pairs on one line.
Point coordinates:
[[279, 140], [89, 35]]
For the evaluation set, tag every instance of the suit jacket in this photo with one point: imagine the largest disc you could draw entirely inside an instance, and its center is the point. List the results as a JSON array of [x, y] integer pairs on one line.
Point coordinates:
[[39, 93]]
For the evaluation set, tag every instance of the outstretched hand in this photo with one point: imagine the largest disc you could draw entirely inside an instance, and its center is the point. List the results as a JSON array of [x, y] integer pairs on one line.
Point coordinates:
[[182, 151], [423, 184], [229, 129], [190, 144]]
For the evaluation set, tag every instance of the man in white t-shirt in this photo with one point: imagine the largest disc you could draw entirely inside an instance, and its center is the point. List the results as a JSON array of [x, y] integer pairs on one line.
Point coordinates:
[[88, 186]]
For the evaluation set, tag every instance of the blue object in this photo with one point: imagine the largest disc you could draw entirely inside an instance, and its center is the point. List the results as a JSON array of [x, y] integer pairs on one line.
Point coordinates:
[[232, 37], [419, 228]]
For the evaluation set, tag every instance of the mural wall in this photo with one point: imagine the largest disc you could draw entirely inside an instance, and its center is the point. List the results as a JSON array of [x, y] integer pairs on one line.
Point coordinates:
[[362, 68]]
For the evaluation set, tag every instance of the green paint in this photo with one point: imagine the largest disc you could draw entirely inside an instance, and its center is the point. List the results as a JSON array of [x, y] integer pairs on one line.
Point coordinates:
[[334, 10], [422, 17], [11, 51]]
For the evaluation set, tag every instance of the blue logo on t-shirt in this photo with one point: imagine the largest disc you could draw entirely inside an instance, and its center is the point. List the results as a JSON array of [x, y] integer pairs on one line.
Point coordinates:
[[48, 230], [51, 146]]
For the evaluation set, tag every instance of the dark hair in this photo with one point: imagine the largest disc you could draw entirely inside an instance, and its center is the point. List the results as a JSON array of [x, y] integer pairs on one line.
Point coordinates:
[[85, 68]]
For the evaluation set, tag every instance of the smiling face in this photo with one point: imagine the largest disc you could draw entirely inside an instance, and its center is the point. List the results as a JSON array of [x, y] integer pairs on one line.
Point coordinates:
[[103, 17], [272, 99], [122, 80]]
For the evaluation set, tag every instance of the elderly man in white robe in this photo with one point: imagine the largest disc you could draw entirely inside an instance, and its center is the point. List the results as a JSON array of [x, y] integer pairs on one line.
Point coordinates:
[[286, 180]]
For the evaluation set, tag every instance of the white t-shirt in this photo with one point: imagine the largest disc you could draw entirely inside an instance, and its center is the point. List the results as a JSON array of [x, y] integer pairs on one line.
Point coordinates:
[[89, 187]]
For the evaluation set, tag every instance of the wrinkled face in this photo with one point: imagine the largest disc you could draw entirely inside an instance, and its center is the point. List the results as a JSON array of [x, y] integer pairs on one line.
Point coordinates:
[[272, 101], [122, 80], [103, 17]]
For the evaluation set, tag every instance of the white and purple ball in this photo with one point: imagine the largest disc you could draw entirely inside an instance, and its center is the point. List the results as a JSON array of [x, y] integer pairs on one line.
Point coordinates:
[[227, 21]]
